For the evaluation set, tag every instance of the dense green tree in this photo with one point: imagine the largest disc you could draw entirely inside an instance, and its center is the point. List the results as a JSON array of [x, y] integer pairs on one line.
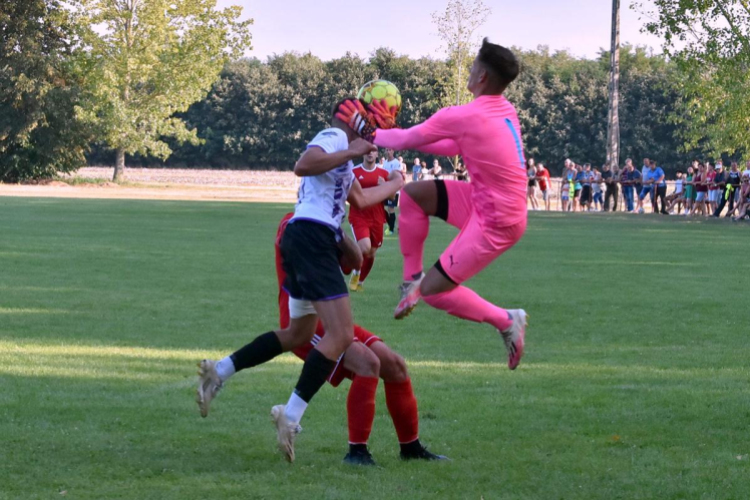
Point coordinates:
[[261, 114], [709, 41], [40, 134], [151, 59]]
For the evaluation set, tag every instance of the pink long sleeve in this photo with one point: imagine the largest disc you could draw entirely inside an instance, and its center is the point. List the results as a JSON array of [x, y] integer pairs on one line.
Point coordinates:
[[487, 134], [436, 133]]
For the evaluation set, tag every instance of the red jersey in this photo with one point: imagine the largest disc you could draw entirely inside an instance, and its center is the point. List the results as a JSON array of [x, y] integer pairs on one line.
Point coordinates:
[[374, 214], [543, 178]]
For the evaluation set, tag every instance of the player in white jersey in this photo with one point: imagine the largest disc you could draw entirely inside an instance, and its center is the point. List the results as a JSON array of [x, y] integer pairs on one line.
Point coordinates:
[[390, 205], [313, 248]]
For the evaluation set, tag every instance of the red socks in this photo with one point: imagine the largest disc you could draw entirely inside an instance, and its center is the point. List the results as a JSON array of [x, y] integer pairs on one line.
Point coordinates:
[[402, 405], [367, 264], [360, 408]]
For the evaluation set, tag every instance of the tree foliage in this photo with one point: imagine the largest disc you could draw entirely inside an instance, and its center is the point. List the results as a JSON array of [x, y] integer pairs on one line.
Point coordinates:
[[39, 89], [709, 40], [457, 27], [261, 114], [149, 60]]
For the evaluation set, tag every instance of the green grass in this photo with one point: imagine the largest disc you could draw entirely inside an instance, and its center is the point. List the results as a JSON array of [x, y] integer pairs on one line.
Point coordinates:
[[635, 383]]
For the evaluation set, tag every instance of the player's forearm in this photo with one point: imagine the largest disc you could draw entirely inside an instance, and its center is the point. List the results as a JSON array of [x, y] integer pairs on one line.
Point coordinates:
[[315, 162], [371, 196]]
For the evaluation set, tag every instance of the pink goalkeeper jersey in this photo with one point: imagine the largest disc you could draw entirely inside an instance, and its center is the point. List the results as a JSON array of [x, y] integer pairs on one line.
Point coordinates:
[[487, 134]]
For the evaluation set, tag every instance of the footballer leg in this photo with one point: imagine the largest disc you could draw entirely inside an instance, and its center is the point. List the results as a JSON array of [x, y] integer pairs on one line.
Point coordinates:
[[447, 200], [336, 316], [360, 402], [469, 253], [401, 403], [212, 374]]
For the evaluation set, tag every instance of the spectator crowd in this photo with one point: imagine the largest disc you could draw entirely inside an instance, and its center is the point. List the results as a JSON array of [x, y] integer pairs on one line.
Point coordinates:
[[702, 189]]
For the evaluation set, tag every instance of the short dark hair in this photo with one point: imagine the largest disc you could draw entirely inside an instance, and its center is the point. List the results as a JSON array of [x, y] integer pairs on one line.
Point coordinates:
[[500, 62]]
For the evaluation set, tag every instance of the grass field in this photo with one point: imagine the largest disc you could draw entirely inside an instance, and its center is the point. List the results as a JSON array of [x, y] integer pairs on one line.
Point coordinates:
[[635, 383]]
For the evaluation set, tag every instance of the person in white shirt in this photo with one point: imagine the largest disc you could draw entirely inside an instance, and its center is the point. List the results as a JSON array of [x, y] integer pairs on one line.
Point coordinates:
[[392, 164], [678, 196], [313, 248]]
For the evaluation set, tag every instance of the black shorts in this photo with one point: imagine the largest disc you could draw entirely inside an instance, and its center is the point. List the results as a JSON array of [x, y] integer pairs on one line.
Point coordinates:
[[586, 194], [311, 262], [392, 203]]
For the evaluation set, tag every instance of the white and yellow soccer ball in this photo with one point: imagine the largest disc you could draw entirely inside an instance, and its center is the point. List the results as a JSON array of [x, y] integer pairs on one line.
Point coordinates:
[[380, 90]]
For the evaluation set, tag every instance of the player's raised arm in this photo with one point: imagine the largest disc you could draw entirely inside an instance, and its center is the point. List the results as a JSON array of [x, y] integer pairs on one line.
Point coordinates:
[[315, 160], [362, 198], [435, 136]]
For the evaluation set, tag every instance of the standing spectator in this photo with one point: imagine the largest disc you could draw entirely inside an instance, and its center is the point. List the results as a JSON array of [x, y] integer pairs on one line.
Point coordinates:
[[627, 186], [426, 175], [659, 188], [459, 171], [719, 184], [732, 181], [416, 171], [531, 184], [578, 187], [596, 188], [436, 170], [701, 190], [636, 179], [647, 187], [391, 204], [678, 196], [609, 176], [639, 185], [567, 187], [545, 184], [690, 188], [744, 204], [710, 175]]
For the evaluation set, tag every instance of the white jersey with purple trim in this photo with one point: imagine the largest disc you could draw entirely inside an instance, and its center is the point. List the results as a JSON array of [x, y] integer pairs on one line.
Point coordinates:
[[322, 197]]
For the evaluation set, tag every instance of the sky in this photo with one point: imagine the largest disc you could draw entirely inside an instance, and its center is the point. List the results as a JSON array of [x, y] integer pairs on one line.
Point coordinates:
[[330, 28]]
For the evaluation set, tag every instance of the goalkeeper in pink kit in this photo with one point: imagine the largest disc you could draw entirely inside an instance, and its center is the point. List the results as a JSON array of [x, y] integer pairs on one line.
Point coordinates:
[[490, 211]]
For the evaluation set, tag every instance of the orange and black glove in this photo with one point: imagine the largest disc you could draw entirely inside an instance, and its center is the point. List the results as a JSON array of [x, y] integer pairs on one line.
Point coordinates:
[[384, 116], [353, 114]]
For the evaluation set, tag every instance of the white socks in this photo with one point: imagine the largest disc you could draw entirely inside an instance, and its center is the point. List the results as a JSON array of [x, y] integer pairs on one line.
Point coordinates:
[[225, 368], [295, 408]]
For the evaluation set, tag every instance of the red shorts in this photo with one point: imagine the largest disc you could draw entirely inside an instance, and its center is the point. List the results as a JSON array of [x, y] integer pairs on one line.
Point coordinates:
[[368, 229], [339, 373]]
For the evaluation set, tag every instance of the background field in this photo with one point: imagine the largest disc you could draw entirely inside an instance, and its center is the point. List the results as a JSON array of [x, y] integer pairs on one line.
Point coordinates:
[[635, 383]]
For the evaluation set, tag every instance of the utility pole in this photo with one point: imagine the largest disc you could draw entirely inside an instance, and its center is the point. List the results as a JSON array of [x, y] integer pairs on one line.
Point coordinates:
[[613, 125]]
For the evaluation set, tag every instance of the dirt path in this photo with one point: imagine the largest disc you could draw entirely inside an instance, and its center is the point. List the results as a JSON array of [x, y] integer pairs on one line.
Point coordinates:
[[169, 184]]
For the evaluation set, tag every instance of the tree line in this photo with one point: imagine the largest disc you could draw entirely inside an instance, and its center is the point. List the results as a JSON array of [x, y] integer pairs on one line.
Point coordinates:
[[260, 114], [70, 95]]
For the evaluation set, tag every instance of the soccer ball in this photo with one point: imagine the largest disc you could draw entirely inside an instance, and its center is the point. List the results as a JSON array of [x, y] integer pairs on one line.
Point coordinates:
[[380, 89]]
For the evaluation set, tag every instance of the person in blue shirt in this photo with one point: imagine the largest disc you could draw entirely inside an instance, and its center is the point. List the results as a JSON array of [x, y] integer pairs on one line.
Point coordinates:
[[416, 171], [648, 188], [578, 186], [659, 190], [639, 185], [586, 177]]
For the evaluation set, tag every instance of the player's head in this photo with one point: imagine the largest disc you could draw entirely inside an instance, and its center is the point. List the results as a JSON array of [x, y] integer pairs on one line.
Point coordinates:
[[494, 68], [370, 158], [335, 122], [389, 153]]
